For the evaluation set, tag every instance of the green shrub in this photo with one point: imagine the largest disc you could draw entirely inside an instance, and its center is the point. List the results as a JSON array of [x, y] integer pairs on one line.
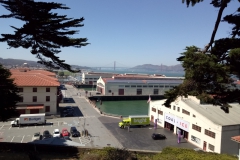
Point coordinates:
[[171, 153]]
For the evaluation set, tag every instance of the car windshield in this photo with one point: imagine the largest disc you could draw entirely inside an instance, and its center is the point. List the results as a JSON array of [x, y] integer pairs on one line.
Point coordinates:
[[46, 132], [56, 132]]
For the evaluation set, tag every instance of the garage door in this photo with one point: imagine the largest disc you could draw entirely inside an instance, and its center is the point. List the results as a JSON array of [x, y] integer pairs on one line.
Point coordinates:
[[120, 91], [32, 111]]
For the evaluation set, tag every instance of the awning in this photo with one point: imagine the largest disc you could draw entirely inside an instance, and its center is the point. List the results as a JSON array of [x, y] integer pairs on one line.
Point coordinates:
[[35, 107], [236, 139], [31, 107]]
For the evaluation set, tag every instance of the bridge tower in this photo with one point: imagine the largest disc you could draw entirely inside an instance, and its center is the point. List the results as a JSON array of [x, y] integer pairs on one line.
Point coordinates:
[[114, 65]]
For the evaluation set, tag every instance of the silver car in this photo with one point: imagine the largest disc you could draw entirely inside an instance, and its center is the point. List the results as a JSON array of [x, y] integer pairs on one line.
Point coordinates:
[[36, 136]]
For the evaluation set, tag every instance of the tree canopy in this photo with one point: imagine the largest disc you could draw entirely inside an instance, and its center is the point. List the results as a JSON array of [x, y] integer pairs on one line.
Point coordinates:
[[44, 32], [211, 73], [8, 95]]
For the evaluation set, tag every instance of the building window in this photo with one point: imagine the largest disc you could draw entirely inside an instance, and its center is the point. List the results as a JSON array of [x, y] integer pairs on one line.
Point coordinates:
[[109, 91], [154, 109], [161, 86], [20, 89], [145, 86], [211, 147], [127, 86], [209, 133], [21, 99], [47, 98], [34, 89], [155, 86], [47, 109], [195, 127], [47, 89], [174, 107], [185, 112], [133, 86], [150, 86], [178, 109], [34, 98], [139, 91], [155, 91], [160, 112], [139, 86]]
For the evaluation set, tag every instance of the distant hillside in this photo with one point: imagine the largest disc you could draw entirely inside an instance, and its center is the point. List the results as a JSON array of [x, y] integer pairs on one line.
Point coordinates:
[[150, 67], [19, 62]]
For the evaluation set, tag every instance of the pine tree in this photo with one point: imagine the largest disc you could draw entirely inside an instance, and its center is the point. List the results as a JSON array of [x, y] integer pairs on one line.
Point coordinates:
[[8, 95], [44, 32], [211, 73]]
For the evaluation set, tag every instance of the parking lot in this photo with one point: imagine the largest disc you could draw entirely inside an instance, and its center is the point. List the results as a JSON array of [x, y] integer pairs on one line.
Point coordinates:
[[25, 134], [140, 138]]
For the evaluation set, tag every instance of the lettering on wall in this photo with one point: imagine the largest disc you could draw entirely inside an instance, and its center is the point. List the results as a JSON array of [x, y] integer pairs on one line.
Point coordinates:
[[180, 123]]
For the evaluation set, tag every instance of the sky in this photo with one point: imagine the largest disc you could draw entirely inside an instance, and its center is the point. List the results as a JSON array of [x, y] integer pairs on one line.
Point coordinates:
[[131, 32]]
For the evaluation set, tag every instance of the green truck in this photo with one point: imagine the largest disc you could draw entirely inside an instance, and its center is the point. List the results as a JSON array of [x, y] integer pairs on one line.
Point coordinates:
[[136, 120]]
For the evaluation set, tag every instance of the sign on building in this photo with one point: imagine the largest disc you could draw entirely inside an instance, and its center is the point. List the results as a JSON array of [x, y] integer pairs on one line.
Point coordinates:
[[180, 123]]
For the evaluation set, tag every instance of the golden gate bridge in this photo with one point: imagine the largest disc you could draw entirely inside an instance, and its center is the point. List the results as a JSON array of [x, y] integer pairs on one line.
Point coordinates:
[[114, 67]]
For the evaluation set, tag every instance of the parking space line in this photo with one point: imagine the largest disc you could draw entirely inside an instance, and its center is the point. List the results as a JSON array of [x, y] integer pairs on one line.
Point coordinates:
[[1, 127], [58, 123], [10, 127], [12, 138], [80, 140], [22, 138]]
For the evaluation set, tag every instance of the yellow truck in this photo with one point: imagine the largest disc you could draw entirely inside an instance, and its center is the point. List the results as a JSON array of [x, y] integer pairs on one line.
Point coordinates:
[[135, 120]]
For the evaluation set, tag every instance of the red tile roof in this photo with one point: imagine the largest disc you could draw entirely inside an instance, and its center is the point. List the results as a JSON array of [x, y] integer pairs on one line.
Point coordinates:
[[24, 71], [106, 79], [34, 78], [138, 76], [236, 139]]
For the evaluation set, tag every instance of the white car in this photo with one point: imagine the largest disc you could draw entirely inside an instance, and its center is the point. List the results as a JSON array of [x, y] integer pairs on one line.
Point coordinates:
[[56, 133], [36, 136]]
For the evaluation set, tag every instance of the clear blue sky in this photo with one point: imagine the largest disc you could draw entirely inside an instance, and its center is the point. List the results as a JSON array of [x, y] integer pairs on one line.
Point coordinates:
[[131, 32]]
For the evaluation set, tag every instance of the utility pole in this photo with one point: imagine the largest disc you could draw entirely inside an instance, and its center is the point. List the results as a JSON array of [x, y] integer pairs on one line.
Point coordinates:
[[114, 65]]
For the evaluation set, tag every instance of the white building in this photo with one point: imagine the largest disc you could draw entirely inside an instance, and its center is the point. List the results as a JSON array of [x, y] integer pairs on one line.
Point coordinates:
[[92, 77], [136, 84], [207, 126], [38, 89]]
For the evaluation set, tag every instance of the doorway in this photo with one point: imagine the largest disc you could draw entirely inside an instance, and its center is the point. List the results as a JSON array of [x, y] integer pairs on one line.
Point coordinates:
[[204, 145], [183, 133]]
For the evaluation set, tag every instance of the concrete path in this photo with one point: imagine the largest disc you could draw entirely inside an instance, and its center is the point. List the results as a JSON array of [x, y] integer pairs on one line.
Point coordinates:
[[99, 134]]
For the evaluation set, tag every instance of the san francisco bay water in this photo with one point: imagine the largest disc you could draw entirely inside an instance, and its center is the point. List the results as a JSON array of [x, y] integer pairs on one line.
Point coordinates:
[[124, 108]]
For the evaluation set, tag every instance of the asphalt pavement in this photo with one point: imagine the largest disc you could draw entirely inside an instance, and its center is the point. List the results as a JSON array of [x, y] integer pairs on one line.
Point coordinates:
[[102, 130]]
